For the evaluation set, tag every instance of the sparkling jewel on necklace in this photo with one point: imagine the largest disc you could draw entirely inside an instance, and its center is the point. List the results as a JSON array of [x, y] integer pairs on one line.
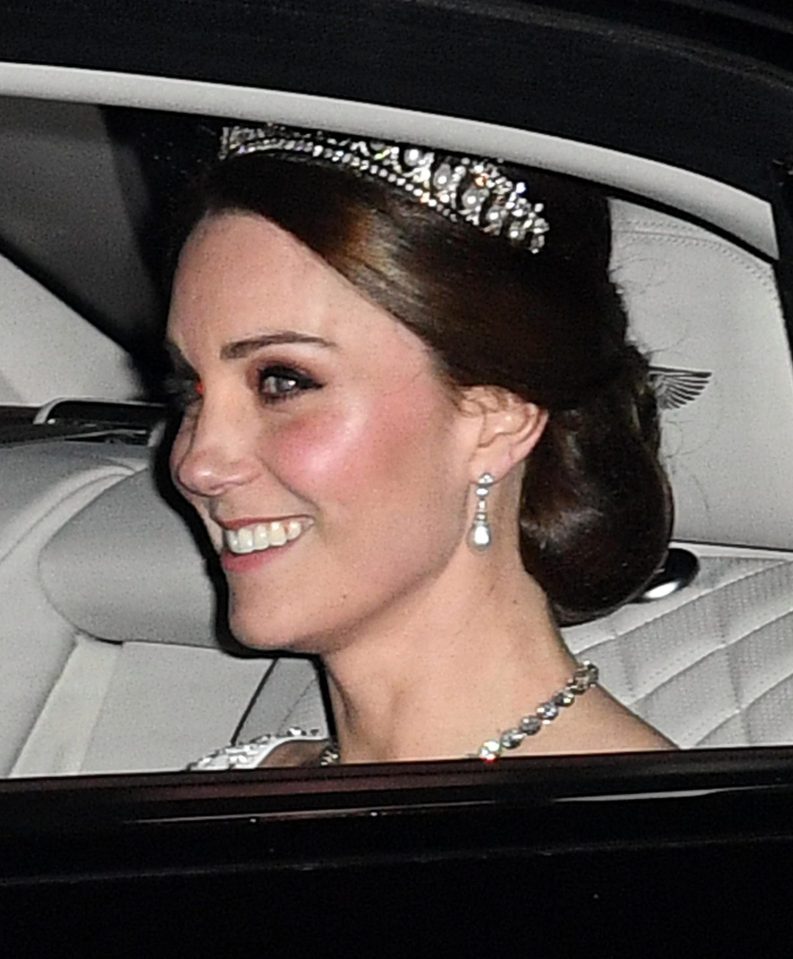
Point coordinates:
[[584, 677]]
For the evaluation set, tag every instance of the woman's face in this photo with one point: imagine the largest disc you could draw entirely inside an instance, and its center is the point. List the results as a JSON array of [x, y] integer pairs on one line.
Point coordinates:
[[319, 446]]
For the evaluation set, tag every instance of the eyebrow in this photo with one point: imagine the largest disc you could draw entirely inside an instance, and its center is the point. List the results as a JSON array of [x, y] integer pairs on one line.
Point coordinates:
[[239, 349]]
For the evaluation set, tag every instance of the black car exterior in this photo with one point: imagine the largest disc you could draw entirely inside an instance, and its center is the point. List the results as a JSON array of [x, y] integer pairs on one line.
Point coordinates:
[[573, 855]]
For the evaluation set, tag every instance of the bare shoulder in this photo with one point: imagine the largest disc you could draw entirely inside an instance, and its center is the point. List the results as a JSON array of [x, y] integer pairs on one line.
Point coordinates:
[[611, 727], [600, 724]]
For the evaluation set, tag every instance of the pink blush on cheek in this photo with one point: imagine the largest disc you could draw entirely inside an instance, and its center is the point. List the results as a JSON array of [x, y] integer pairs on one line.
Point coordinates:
[[313, 454], [335, 457]]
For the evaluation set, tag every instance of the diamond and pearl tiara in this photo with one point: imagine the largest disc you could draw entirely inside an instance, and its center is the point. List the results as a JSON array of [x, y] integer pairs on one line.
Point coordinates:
[[461, 188]]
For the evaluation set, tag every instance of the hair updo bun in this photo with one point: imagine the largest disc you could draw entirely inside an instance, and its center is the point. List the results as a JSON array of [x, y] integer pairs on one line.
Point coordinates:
[[596, 509]]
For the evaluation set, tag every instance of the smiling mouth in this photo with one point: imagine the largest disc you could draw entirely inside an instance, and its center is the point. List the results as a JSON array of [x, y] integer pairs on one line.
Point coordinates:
[[261, 536]]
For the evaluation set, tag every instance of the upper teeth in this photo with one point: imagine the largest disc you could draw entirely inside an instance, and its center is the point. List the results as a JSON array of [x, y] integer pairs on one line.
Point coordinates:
[[258, 536]]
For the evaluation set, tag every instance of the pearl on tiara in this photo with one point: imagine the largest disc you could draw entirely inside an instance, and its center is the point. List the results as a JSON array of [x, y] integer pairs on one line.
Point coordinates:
[[461, 188]]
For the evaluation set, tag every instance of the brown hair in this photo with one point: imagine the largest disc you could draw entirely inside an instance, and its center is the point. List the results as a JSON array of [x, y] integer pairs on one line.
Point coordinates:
[[595, 510]]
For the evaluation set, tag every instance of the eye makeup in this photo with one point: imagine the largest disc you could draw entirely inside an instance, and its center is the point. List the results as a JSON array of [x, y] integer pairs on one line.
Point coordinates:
[[272, 381], [277, 382]]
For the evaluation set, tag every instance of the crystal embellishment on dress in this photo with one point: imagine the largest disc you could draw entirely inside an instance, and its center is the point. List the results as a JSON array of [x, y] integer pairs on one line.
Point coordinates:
[[250, 755], [469, 189]]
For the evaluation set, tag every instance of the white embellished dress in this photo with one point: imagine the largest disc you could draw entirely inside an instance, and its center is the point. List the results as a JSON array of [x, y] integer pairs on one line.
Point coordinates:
[[254, 753]]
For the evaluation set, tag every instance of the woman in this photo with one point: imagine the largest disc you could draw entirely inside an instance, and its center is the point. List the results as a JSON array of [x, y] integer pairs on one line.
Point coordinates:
[[417, 438]]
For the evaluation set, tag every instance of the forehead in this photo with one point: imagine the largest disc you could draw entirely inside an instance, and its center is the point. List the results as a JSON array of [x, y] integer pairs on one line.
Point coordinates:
[[240, 274]]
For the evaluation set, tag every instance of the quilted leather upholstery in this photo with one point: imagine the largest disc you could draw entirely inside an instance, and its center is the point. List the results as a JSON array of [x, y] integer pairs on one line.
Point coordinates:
[[711, 665]]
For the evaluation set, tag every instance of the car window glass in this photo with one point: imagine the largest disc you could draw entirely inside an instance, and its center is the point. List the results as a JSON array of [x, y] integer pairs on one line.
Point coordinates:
[[119, 659]]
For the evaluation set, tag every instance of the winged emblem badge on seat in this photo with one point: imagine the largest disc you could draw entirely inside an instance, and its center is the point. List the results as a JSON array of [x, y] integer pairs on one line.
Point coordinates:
[[674, 387]]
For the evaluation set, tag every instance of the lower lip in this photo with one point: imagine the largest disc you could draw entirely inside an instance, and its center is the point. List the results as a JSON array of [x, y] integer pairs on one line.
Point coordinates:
[[245, 562]]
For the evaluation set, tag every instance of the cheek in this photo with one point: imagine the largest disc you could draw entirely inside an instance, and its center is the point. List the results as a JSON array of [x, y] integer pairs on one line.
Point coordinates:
[[314, 451], [349, 456]]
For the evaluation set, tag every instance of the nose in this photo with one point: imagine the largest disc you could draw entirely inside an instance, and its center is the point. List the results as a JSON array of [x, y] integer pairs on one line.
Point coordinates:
[[214, 451]]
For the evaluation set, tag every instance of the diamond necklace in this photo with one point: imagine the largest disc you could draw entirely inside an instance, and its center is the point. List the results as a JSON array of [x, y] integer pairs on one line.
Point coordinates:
[[584, 677]]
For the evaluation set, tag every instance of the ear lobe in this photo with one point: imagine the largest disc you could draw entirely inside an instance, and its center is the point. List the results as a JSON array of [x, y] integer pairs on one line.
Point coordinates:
[[510, 428]]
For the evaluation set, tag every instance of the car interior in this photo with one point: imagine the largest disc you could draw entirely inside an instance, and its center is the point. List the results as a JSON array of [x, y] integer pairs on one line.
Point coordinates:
[[116, 657]]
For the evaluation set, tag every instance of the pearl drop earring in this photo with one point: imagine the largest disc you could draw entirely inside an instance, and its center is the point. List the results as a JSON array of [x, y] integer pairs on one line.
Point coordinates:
[[480, 536]]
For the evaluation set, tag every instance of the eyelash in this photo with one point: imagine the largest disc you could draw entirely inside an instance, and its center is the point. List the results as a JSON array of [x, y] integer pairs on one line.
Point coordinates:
[[185, 390], [300, 382]]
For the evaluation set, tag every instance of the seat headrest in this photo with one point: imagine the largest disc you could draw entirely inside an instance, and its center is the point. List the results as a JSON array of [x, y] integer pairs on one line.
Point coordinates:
[[127, 567]]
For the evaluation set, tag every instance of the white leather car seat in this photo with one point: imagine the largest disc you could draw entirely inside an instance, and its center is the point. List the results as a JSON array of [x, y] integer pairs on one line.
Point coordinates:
[[112, 657]]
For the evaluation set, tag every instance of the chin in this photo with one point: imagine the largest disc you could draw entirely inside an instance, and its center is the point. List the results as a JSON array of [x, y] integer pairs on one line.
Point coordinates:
[[257, 630]]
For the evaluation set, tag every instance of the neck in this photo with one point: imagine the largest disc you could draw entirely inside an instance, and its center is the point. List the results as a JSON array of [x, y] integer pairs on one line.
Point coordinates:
[[446, 670]]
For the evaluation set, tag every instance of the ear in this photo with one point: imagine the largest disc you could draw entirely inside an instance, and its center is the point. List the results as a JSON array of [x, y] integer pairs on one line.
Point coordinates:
[[509, 429]]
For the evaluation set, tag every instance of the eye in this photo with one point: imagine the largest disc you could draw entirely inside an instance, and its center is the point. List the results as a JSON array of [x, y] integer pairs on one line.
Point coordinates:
[[278, 383]]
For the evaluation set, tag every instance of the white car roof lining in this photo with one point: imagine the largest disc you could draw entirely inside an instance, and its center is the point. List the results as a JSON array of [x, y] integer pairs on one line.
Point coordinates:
[[745, 217], [76, 520]]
